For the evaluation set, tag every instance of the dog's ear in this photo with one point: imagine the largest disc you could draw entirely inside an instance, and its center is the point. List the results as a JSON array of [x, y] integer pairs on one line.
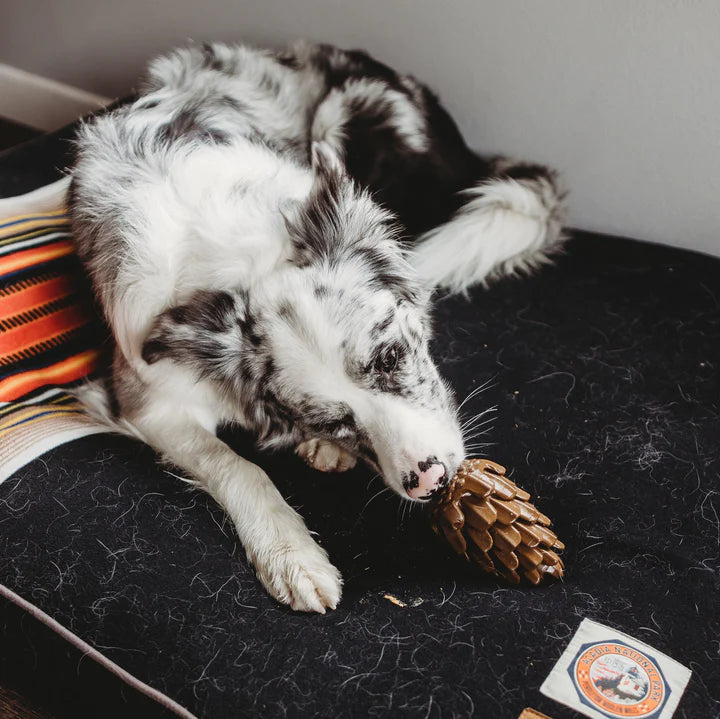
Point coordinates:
[[340, 221], [327, 164], [205, 333], [317, 227]]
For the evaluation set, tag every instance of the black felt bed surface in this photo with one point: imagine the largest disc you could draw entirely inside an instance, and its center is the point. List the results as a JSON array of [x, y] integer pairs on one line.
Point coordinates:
[[604, 372]]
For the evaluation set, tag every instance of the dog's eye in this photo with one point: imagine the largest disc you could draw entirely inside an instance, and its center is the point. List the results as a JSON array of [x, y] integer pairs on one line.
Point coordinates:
[[387, 361]]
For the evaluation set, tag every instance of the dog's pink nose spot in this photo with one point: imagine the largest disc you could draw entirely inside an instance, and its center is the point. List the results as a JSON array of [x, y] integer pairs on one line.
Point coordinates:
[[428, 480]]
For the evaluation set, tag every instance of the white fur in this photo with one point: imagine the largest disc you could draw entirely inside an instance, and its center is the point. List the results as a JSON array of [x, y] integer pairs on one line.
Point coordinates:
[[357, 94], [507, 227], [214, 202], [329, 121], [293, 568]]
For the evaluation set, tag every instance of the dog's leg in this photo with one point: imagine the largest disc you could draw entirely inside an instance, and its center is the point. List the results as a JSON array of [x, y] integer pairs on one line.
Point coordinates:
[[289, 563], [325, 456]]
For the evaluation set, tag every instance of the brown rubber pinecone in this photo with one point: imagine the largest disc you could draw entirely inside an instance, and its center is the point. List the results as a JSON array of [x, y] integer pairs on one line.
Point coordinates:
[[488, 519]]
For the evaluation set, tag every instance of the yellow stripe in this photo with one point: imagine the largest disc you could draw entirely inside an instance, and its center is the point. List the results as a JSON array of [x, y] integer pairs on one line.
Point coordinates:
[[21, 442], [12, 231], [34, 215], [62, 398], [39, 232], [14, 406], [29, 413], [24, 223]]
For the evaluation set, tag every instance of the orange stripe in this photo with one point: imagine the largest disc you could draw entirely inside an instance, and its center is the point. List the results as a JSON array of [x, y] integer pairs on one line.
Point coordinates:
[[26, 258], [44, 329], [18, 285], [35, 296], [67, 370]]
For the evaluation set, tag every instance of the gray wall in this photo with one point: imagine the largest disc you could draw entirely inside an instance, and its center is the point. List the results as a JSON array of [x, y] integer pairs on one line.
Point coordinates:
[[622, 95]]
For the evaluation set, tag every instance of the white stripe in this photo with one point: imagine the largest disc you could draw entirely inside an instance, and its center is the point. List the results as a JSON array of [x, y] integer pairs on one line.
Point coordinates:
[[36, 400], [44, 199], [13, 246], [16, 457]]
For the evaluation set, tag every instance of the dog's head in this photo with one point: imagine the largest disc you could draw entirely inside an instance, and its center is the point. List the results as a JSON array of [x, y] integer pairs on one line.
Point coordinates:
[[334, 345]]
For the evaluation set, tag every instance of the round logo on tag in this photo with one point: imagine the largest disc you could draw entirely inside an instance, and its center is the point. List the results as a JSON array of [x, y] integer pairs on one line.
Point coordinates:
[[619, 681]]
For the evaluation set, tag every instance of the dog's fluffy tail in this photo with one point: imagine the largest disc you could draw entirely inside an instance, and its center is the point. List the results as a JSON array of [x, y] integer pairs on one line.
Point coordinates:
[[511, 223]]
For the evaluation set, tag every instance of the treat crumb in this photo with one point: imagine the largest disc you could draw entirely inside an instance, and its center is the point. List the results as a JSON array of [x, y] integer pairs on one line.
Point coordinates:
[[397, 602]]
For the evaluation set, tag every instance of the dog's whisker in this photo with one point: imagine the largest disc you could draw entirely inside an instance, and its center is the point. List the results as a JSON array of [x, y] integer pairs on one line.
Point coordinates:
[[480, 443], [479, 415], [478, 431], [406, 509], [475, 435], [367, 504], [474, 393], [474, 449], [474, 443], [372, 479], [477, 421], [464, 421]]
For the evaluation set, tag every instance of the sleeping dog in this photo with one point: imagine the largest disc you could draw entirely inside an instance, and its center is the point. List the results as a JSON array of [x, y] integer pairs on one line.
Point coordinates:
[[263, 231]]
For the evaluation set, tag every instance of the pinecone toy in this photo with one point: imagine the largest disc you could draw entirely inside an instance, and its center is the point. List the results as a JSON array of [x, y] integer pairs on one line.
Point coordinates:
[[488, 519]]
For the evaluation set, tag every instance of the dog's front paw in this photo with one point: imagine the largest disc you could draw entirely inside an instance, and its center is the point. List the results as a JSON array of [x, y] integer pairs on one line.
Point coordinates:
[[326, 456], [301, 576]]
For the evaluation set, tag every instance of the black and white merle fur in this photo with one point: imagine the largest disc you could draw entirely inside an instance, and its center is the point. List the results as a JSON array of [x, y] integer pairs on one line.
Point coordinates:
[[263, 231]]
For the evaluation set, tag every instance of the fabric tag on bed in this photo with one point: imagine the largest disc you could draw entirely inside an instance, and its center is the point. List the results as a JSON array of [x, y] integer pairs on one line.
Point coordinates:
[[606, 673], [530, 713]]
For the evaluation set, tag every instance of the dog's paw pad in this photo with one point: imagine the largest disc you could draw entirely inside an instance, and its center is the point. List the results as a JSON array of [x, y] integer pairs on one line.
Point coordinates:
[[326, 456]]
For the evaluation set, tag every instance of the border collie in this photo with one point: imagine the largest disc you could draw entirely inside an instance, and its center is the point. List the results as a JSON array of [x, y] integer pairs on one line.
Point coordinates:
[[263, 231]]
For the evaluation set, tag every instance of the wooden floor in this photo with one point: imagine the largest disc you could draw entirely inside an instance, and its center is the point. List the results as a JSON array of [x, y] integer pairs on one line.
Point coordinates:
[[15, 706]]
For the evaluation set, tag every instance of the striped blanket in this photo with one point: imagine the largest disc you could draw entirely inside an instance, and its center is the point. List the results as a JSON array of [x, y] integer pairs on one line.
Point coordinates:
[[50, 338]]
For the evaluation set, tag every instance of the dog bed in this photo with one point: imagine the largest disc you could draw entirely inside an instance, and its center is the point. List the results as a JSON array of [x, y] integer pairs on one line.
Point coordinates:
[[603, 369]]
